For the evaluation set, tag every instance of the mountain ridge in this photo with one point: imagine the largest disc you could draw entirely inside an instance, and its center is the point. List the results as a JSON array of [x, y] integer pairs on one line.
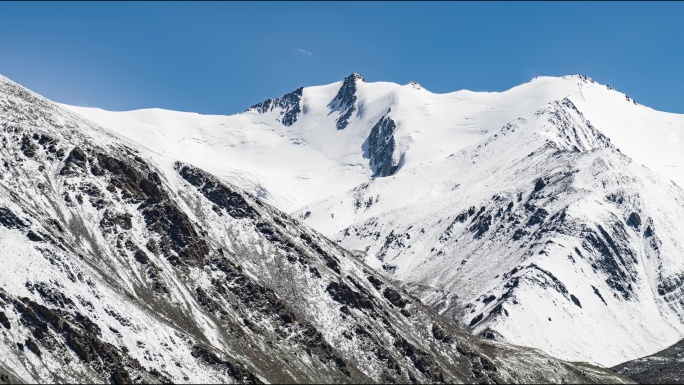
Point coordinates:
[[124, 265], [429, 127]]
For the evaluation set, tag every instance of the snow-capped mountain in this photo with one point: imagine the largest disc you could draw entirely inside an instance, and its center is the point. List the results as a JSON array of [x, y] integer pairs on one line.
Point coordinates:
[[124, 265], [320, 141], [367, 163], [561, 214]]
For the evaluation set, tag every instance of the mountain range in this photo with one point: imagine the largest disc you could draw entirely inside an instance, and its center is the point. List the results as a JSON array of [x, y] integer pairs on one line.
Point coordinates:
[[555, 206], [352, 232]]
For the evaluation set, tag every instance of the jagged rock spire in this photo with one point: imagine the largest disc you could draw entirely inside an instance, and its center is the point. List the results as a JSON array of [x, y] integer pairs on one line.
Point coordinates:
[[345, 100], [355, 76], [381, 146], [289, 104]]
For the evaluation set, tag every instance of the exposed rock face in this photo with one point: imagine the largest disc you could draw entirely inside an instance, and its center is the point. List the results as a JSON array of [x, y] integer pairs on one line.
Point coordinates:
[[381, 146], [119, 266], [345, 100], [288, 104], [9, 220]]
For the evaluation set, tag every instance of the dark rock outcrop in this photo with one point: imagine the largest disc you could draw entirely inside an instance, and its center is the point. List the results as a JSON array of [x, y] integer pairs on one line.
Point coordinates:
[[9, 220], [381, 146], [345, 100], [289, 105]]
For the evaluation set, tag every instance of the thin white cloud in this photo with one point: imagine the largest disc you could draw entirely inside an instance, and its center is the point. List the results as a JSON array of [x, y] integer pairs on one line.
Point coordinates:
[[303, 53]]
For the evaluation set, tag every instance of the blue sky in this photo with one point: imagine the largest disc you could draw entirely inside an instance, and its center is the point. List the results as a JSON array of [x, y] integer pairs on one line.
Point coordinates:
[[222, 57]]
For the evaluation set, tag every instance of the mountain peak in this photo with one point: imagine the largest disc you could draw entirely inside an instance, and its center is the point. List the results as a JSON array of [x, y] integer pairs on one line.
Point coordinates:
[[345, 100], [415, 85], [354, 76], [583, 78], [564, 125]]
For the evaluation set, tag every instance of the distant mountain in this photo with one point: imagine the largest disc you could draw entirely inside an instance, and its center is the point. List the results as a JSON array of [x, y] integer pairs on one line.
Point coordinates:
[[123, 265]]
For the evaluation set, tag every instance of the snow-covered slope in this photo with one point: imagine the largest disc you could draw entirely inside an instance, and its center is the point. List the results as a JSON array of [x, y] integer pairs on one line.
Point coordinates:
[[544, 235], [372, 164], [319, 141], [123, 265]]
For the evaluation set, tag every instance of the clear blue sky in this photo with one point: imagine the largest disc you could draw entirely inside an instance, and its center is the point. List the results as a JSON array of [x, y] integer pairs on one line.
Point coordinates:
[[222, 57]]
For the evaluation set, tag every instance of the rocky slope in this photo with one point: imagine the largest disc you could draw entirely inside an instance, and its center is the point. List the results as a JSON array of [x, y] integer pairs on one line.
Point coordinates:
[[123, 265], [664, 367]]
